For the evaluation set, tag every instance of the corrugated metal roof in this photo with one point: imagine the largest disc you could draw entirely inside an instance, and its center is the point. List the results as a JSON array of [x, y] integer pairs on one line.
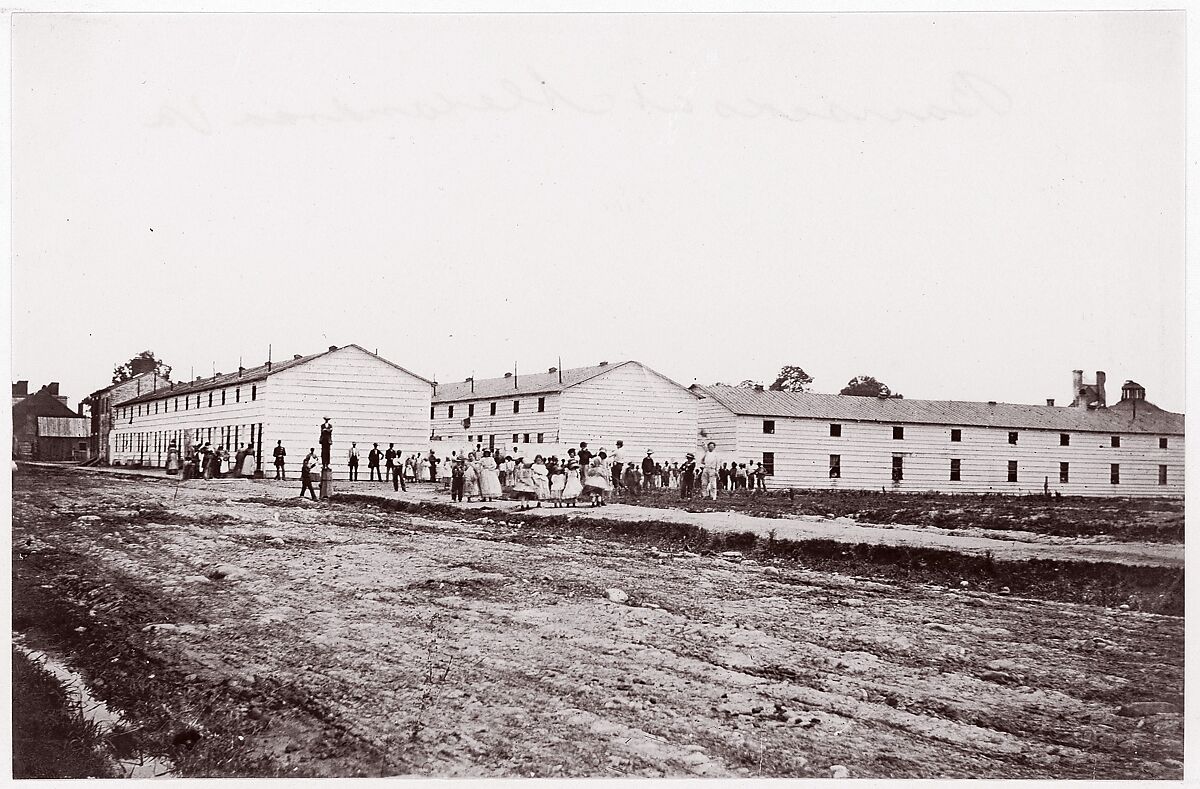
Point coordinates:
[[249, 376], [811, 405], [525, 384]]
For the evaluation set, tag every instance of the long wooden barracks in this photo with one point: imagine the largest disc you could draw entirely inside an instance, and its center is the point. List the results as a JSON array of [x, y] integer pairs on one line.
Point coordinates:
[[366, 397], [810, 440], [803, 439]]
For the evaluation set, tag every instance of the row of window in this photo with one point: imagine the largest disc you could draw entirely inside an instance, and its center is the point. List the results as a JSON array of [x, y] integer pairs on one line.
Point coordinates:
[[214, 399], [156, 442], [1064, 439], [1064, 470], [517, 438], [516, 409]]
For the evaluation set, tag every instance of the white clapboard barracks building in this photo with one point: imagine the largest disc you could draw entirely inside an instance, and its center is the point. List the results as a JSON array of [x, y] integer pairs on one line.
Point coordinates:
[[546, 413], [367, 398], [1089, 448]]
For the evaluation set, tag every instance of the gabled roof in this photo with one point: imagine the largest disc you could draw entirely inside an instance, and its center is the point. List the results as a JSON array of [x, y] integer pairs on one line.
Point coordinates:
[[531, 383], [42, 403], [811, 405], [252, 375], [150, 374]]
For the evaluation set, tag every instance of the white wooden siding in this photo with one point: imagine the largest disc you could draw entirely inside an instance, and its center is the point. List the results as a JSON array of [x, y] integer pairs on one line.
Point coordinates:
[[366, 399], [635, 405], [143, 438], [453, 436], [802, 448], [719, 425]]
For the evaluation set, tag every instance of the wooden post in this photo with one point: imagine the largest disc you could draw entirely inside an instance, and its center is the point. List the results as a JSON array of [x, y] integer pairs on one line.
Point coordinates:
[[326, 483]]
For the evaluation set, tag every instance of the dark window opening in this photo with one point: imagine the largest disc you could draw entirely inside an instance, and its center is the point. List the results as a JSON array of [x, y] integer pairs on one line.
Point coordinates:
[[955, 470], [540, 436], [769, 426], [253, 392], [526, 441], [449, 412], [516, 406], [515, 438], [1162, 475], [1064, 439], [956, 435], [493, 409], [1064, 473], [541, 404], [897, 433], [897, 468], [768, 462], [835, 466], [471, 410], [1012, 471], [432, 411], [835, 431], [210, 394], [237, 395], [1162, 443], [1116, 441], [1012, 436], [1114, 474], [222, 397]]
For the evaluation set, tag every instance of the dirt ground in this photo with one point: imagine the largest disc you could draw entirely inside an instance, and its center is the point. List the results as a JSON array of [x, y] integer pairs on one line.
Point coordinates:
[[254, 635]]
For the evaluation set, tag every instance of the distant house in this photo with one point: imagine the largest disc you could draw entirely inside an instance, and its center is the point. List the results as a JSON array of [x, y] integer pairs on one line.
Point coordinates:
[[45, 427], [367, 398], [103, 403], [809, 440], [546, 413]]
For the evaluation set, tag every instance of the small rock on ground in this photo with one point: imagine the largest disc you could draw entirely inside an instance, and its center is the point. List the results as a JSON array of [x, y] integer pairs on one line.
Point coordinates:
[[616, 595]]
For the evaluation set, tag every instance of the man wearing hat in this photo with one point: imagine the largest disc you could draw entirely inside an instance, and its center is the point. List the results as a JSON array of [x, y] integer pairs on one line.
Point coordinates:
[[326, 442], [648, 470], [686, 472]]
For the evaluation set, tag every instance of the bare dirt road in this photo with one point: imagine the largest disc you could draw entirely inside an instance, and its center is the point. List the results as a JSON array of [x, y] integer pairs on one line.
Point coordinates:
[[259, 636]]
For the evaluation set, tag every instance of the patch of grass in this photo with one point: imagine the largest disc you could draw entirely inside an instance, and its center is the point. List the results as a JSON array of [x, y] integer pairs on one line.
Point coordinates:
[[50, 737]]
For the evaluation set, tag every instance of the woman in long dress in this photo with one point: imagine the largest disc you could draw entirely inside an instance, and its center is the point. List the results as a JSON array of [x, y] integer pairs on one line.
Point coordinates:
[[422, 469], [596, 481], [489, 477], [573, 486], [173, 463], [541, 479], [471, 478], [523, 485], [248, 462]]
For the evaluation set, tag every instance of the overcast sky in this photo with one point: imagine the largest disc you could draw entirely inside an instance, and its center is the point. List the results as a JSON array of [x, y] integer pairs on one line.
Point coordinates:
[[966, 206]]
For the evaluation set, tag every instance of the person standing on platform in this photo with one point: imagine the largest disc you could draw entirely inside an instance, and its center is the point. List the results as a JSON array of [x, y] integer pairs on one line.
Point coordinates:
[[373, 463], [326, 443], [280, 453], [306, 470]]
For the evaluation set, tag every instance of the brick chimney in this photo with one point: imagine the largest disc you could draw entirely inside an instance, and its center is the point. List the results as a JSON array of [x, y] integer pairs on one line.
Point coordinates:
[[52, 388], [1100, 377], [20, 389], [1087, 395]]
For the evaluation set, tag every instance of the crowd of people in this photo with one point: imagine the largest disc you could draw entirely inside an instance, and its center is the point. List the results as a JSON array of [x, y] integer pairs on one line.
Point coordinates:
[[487, 474], [207, 462]]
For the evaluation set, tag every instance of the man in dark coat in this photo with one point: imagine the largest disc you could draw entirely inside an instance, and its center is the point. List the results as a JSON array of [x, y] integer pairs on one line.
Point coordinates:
[[373, 463], [280, 453], [326, 442]]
